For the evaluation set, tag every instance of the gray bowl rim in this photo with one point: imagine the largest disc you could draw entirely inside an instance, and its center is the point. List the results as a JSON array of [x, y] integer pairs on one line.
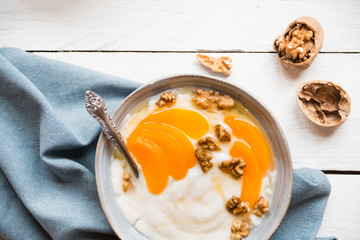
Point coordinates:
[[103, 141]]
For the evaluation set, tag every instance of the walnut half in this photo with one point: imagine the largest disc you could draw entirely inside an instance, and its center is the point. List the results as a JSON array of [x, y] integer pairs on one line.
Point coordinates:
[[239, 229], [126, 181], [261, 207], [298, 46], [222, 134], [212, 101], [324, 103], [235, 206], [208, 143], [234, 167], [221, 64], [204, 159], [166, 98]]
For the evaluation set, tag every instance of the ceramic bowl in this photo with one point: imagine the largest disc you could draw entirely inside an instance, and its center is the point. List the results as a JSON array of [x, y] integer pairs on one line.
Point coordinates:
[[283, 187]]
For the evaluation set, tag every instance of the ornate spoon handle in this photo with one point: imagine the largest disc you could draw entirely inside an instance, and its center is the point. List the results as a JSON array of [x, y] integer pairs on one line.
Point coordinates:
[[96, 107]]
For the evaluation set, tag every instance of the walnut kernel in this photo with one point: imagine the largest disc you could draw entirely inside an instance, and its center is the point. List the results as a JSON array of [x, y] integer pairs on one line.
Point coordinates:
[[235, 206], [208, 143], [221, 64], [222, 134], [261, 207], [204, 159], [234, 167], [225, 102], [166, 98], [239, 229], [126, 181], [297, 44], [212, 101]]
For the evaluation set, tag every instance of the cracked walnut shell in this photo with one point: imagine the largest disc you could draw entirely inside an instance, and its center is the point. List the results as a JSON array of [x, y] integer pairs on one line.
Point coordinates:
[[300, 43], [221, 64], [324, 103]]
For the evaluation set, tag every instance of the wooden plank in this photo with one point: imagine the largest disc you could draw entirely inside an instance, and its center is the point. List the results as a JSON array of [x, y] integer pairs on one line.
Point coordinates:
[[342, 213], [172, 25], [262, 75]]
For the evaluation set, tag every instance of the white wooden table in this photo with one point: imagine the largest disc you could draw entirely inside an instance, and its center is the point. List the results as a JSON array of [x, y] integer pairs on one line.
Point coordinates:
[[147, 39]]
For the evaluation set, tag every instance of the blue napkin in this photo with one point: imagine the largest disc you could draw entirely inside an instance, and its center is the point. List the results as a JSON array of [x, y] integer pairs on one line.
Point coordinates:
[[47, 181]]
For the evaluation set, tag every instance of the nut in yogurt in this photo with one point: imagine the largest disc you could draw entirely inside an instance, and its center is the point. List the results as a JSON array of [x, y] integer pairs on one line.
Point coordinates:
[[204, 159], [261, 207], [234, 167], [212, 101], [222, 134], [126, 181], [166, 98], [235, 206], [208, 143], [239, 229]]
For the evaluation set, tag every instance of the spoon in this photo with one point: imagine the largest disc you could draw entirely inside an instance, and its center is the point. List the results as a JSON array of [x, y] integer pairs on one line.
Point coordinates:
[[96, 107]]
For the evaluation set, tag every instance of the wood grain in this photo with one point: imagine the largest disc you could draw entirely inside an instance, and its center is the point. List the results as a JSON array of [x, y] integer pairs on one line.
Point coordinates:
[[342, 213], [262, 75], [180, 26], [249, 25]]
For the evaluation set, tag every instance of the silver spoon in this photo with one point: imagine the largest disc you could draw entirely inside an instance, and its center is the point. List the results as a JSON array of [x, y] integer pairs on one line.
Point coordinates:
[[96, 107]]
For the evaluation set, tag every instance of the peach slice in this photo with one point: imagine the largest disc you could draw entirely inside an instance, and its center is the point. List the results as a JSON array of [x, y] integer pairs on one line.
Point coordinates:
[[254, 138], [251, 179], [161, 145]]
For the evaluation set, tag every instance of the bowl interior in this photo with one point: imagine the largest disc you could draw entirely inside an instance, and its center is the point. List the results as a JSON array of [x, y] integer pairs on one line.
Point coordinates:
[[283, 187]]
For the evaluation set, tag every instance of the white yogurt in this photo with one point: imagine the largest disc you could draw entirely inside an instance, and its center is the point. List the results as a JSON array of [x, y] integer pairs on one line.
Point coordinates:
[[191, 208]]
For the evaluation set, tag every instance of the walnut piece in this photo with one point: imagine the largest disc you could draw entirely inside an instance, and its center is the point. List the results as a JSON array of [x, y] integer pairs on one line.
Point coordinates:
[[204, 159], [235, 206], [234, 167], [166, 98], [212, 101], [221, 64], [225, 102], [324, 103], [298, 46], [261, 207], [126, 181], [239, 229], [222, 134], [208, 143]]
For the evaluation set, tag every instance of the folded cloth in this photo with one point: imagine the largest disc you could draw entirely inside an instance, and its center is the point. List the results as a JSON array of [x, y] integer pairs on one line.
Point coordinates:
[[311, 190], [47, 181]]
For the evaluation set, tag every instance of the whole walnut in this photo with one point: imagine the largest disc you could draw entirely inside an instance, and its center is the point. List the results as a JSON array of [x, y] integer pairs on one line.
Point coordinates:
[[298, 46]]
